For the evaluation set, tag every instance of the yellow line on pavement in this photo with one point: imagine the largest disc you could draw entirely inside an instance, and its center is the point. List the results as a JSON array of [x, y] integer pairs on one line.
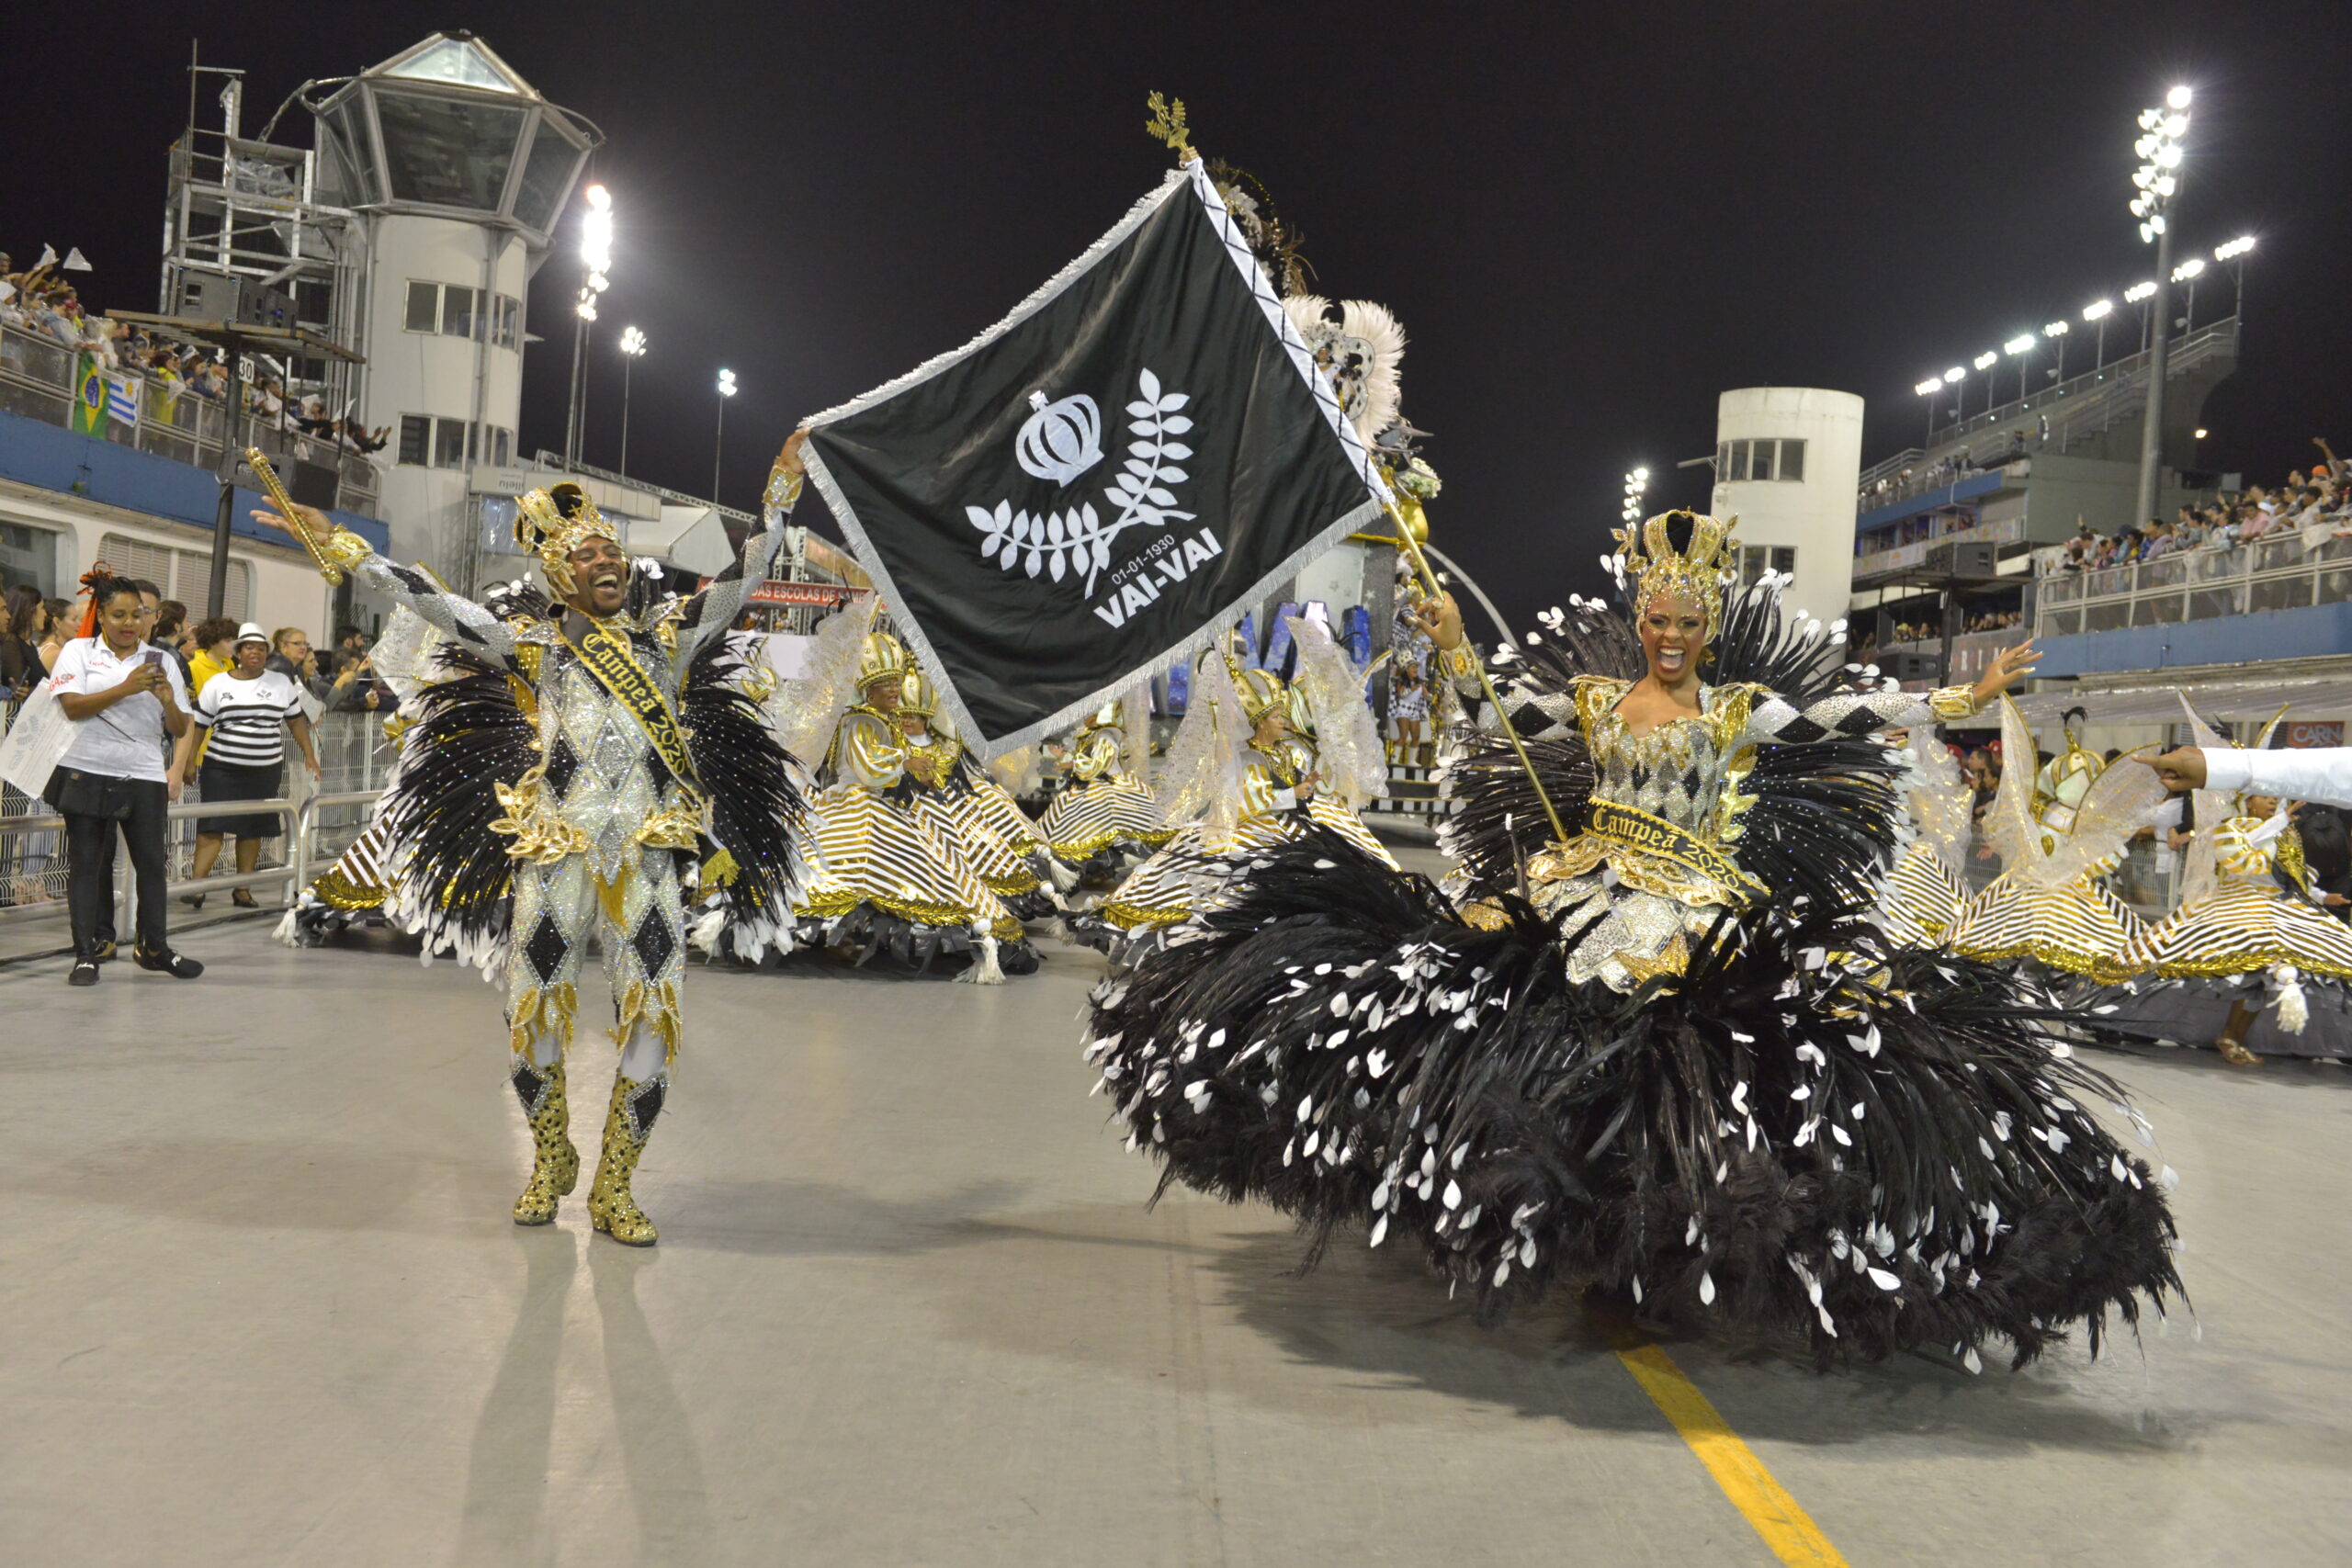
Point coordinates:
[[1793, 1536]]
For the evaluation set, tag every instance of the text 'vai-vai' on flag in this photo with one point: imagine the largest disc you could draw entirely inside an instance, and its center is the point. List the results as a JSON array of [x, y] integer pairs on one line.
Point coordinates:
[[1088, 492]]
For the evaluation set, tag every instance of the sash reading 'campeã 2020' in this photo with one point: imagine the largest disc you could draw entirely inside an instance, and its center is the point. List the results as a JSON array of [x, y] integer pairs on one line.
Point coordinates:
[[1082, 495]]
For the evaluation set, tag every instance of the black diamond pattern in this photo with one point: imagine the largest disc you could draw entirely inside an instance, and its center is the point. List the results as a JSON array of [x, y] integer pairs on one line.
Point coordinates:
[[654, 941], [562, 763], [546, 949], [410, 578], [1801, 731], [646, 1104], [528, 1082], [1862, 721]]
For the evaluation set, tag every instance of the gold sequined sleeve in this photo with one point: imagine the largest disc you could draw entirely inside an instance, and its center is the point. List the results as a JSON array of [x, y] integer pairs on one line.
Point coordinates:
[[871, 752]]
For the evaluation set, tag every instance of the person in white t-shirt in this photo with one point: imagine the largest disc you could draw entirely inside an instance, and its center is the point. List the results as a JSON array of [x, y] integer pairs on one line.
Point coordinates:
[[123, 696], [247, 711]]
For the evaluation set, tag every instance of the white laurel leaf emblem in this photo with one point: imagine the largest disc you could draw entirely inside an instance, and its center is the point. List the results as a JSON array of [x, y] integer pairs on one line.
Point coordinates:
[[1062, 440]]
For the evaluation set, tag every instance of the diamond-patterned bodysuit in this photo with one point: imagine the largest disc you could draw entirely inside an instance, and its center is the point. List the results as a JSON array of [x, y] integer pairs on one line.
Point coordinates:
[[598, 829]]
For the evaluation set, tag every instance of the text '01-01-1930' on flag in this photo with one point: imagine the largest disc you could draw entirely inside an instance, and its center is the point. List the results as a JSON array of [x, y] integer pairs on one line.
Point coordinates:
[[1084, 494]]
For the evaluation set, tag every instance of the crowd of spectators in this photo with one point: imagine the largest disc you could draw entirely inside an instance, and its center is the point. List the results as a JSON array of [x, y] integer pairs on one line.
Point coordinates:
[[1932, 630], [2315, 506], [42, 301]]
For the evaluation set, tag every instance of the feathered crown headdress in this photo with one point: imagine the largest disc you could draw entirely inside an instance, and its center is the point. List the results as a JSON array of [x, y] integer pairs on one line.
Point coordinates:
[[1692, 570], [552, 523]]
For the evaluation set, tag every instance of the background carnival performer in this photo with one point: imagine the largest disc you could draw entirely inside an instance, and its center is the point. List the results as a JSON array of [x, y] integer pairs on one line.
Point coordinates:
[[1237, 782], [620, 759], [2248, 918], [1664, 1051], [1107, 818], [2059, 831], [976, 822], [1926, 891], [889, 884]]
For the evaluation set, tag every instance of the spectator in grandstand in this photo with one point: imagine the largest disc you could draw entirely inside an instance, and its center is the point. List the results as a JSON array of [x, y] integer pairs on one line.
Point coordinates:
[[245, 713], [357, 689], [171, 626], [350, 645], [123, 697], [212, 650]]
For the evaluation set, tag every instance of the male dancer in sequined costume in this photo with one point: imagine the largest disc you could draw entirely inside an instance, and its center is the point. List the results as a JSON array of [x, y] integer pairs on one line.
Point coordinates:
[[593, 828]]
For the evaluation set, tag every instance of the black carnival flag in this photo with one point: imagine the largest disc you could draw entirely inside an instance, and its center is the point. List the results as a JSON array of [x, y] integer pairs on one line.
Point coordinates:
[[1119, 468]]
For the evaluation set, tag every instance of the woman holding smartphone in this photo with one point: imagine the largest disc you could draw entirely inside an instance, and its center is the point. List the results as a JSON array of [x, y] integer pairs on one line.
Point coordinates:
[[123, 696]]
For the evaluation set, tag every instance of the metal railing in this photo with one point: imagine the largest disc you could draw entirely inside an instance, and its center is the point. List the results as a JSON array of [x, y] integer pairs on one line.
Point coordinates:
[[2283, 574], [38, 380], [2077, 409]]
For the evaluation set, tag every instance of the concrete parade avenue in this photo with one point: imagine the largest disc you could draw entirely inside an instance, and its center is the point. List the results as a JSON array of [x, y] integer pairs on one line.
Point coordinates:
[[263, 1304]]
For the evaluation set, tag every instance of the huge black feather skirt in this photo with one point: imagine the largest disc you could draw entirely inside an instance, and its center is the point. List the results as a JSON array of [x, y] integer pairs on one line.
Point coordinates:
[[1807, 1135]]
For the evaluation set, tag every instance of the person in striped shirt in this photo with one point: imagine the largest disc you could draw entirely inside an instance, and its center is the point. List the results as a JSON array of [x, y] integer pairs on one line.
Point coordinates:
[[245, 712]]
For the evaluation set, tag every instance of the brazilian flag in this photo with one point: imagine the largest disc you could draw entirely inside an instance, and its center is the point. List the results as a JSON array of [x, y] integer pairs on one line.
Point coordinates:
[[89, 399]]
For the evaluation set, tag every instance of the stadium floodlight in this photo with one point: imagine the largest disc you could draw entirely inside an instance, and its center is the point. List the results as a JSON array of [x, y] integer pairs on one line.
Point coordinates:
[[632, 350], [2056, 329], [2023, 345], [2157, 181], [1987, 360], [727, 383], [2189, 269], [596, 230], [2234, 249], [595, 264], [2098, 308], [1930, 387], [2139, 291], [1636, 484], [2177, 98], [1956, 373]]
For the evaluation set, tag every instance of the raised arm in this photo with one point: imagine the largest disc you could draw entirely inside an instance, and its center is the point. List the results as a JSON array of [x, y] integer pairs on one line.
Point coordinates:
[[449, 612], [711, 611]]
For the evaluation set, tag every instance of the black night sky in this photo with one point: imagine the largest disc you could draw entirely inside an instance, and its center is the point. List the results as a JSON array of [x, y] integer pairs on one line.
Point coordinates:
[[1591, 220]]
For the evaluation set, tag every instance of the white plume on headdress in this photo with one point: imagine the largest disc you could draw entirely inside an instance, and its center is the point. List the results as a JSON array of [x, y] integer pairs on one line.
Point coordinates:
[[1365, 331], [1350, 758], [805, 708]]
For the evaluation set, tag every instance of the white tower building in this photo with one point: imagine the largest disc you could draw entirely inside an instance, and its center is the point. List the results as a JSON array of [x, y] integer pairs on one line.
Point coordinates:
[[456, 171], [1787, 460]]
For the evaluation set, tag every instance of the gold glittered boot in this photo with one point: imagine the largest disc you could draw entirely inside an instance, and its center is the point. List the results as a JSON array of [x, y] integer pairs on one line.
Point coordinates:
[[555, 1165], [611, 1207]]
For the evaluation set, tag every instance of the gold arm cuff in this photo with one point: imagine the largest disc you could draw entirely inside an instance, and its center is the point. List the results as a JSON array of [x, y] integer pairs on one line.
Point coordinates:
[[1953, 701], [343, 548]]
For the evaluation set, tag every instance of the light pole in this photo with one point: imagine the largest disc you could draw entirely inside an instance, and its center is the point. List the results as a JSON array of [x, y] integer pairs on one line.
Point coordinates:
[[2020, 348], [2188, 271], [2158, 180], [632, 350], [726, 390], [1952, 378], [595, 261], [1928, 390], [2233, 254], [2098, 310], [1636, 484], [2056, 333], [2139, 294], [1986, 361]]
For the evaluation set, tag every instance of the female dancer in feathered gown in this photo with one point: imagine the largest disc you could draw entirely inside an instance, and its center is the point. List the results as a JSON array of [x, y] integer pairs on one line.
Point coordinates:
[[1663, 1050]]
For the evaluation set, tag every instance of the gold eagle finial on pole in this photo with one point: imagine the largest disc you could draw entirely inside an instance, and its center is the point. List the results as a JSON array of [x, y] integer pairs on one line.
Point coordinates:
[[1167, 124]]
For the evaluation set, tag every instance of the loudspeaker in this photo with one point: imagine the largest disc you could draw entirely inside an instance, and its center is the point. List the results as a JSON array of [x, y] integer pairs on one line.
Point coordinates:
[[1974, 558], [1910, 666], [313, 484]]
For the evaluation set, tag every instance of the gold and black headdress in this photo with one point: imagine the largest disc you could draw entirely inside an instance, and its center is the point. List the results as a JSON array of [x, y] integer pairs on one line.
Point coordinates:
[[552, 523]]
